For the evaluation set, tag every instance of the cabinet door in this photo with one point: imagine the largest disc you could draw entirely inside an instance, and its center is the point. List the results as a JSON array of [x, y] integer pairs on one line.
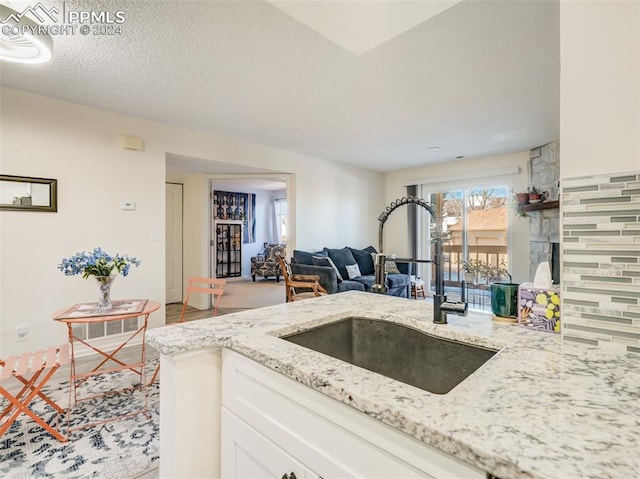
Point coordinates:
[[247, 454], [221, 250], [325, 435], [235, 260], [228, 250]]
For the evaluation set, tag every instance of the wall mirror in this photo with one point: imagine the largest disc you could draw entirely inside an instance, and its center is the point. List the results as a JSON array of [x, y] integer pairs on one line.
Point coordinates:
[[28, 194]]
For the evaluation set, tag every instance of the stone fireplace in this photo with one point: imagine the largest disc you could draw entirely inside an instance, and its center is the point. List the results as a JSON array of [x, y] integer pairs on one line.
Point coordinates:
[[544, 225]]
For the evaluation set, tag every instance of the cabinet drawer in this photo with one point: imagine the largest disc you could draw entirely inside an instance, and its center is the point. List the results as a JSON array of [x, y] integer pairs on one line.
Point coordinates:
[[328, 437]]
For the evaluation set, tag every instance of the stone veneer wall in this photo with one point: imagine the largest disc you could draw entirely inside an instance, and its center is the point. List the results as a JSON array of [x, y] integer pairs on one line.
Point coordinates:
[[544, 225], [601, 260]]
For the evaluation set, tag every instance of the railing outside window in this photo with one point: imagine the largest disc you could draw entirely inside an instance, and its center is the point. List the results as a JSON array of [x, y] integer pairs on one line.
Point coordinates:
[[477, 290], [488, 254]]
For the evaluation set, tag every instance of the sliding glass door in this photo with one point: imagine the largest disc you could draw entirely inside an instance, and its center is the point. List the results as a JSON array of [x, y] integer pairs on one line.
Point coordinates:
[[475, 229]]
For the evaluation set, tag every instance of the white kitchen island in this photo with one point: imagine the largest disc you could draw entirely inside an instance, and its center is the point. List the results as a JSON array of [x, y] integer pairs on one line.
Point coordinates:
[[540, 408]]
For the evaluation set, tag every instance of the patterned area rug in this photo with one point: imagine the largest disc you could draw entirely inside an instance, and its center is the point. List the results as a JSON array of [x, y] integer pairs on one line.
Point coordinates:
[[120, 449]]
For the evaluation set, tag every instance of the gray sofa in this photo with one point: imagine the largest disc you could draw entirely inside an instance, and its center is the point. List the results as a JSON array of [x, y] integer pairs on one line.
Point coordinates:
[[336, 279]]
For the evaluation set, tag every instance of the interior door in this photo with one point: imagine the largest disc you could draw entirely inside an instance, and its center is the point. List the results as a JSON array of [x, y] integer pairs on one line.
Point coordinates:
[[173, 243]]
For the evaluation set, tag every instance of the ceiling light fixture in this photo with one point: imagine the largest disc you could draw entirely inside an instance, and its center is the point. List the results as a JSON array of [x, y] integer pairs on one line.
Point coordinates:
[[17, 44], [434, 148]]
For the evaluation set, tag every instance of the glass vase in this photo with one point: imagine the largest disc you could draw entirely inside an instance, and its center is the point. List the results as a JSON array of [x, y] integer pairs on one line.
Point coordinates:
[[104, 296]]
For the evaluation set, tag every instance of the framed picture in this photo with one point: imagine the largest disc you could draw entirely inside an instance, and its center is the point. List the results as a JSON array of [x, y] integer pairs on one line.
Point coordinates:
[[25, 193]]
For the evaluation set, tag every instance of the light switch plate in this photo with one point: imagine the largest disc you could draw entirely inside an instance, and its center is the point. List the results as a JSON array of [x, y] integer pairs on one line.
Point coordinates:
[[128, 205]]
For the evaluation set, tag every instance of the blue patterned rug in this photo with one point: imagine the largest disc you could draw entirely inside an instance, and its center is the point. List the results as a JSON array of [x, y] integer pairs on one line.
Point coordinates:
[[121, 449]]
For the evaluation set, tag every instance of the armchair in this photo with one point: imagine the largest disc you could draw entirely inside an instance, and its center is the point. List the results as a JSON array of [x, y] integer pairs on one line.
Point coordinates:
[[266, 263], [300, 286]]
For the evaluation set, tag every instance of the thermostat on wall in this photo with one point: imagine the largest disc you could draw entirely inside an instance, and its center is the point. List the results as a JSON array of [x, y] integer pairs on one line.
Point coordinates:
[[128, 205]]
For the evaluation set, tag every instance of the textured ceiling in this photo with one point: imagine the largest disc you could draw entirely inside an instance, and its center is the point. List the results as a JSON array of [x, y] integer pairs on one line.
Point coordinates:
[[359, 26], [480, 78]]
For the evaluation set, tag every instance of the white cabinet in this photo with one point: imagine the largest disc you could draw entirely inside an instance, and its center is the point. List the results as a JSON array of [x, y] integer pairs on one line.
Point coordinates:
[[272, 426], [247, 454]]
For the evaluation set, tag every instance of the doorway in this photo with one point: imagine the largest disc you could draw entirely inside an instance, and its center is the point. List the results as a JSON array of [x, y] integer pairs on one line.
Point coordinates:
[[195, 176], [173, 254], [268, 220]]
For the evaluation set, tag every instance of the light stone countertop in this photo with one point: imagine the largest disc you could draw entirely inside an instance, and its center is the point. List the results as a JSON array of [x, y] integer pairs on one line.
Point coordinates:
[[540, 408]]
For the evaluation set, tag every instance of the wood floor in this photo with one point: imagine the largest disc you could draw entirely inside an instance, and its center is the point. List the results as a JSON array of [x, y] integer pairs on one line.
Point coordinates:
[[239, 295], [173, 310]]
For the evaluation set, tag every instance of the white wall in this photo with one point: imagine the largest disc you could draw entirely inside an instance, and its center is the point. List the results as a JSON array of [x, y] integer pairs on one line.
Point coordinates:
[[599, 87], [341, 202], [79, 146], [395, 229], [195, 240], [599, 123]]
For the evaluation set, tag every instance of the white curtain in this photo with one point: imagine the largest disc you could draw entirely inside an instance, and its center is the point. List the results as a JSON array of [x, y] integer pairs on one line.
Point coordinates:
[[280, 219], [274, 233]]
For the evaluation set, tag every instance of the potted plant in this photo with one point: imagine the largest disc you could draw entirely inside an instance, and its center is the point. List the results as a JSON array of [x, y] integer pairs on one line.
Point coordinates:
[[504, 294], [522, 198], [518, 201], [534, 195], [472, 269], [102, 266]]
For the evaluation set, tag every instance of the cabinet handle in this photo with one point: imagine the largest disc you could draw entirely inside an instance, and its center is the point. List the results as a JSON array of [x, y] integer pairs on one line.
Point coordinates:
[[292, 475]]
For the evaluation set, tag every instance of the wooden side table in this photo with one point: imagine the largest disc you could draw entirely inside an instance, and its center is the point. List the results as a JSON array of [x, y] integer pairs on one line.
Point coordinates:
[[417, 287]]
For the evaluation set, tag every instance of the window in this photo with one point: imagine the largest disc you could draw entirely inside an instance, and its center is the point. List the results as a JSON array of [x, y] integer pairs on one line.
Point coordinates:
[[475, 234], [281, 219]]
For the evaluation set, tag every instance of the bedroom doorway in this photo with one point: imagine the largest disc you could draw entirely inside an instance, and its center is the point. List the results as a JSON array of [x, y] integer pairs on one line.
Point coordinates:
[[271, 221]]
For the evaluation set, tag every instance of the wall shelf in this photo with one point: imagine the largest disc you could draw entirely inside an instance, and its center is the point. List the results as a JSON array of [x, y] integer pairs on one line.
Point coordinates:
[[546, 205]]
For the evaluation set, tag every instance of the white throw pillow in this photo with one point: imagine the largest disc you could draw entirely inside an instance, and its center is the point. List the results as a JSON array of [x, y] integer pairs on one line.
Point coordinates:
[[353, 271]]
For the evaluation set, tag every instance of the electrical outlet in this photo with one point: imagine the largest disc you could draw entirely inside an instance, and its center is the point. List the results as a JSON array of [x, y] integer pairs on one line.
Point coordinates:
[[23, 333]]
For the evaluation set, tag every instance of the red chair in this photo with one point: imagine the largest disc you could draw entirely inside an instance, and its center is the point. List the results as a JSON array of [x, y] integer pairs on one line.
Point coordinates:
[[33, 370], [212, 286]]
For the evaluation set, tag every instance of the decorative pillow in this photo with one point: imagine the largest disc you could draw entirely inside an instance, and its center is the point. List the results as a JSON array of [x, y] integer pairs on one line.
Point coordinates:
[[326, 261], [304, 257], [391, 267], [364, 259], [341, 258], [353, 271]]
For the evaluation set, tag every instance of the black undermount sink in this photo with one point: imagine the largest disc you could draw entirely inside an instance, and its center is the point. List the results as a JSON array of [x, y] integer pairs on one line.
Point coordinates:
[[402, 353]]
